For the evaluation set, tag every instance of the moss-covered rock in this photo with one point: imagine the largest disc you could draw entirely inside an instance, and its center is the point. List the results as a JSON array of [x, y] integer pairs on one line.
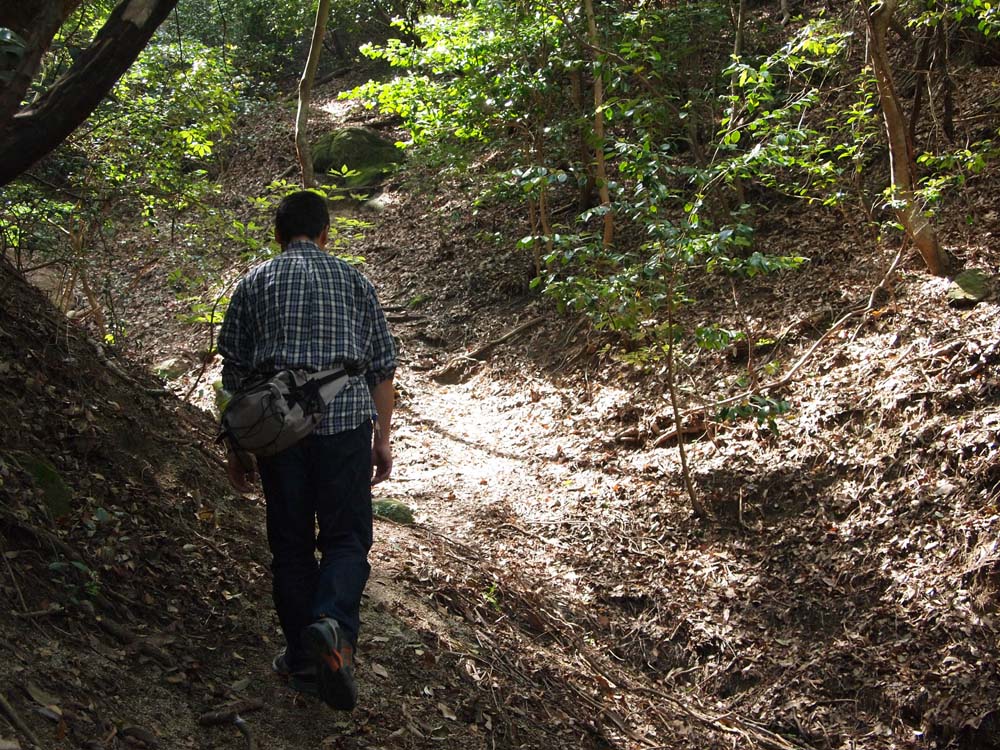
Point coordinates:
[[393, 510], [362, 151], [969, 288]]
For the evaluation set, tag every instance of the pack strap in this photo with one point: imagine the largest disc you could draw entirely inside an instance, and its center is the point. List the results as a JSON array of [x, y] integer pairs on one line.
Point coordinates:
[[311, 393], [327, 376]]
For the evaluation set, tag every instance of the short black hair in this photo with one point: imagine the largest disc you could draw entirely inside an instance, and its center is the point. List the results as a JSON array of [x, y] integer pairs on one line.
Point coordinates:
[[302, 213]]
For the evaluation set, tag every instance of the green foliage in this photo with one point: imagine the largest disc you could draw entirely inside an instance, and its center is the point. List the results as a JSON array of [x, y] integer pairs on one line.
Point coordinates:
[[143, 158], [256, 236], [159, 129], [984, 14], [204, 313], [763, 409], [260, 37], [267, 40], [756, 264], [854, 131], [148, 146], [766, 133], [77, 578], [650, 79], [953, 169], [485, 72], [29, 219], [714, 337], [471, 72], [492, 596], [697, 142]]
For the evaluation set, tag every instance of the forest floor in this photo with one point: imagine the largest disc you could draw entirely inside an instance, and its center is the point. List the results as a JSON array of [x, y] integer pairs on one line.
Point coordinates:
[[556, 590]]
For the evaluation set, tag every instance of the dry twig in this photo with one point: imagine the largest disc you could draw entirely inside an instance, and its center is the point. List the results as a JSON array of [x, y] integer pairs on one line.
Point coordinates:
[[245, 731], [229, 714], [456, 366], [17, 722]]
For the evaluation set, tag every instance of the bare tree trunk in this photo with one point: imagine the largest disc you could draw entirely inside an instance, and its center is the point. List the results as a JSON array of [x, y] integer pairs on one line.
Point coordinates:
[[903, 169], [305, 92], [947, 84], [587, 186], [602, 172], [738, 21], [37, 23], [697, 507], [920, 67], [336, 41]]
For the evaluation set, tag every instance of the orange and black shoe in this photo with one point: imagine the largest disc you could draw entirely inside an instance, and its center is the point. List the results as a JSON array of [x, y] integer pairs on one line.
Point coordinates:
[[334, 657]]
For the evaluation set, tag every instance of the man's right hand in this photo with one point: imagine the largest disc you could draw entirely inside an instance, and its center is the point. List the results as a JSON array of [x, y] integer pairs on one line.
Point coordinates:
[[241, 471]]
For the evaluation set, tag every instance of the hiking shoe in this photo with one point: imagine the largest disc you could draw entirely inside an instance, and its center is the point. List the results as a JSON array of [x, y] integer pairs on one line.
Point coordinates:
[[334, 656], [280, 664], [302, 681]]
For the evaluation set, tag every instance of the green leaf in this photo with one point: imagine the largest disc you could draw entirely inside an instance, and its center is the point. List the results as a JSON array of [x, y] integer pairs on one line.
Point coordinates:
[[55, 492]]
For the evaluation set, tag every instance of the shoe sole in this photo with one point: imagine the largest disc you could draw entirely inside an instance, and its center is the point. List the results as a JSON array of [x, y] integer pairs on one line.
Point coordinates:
[[335, 683]]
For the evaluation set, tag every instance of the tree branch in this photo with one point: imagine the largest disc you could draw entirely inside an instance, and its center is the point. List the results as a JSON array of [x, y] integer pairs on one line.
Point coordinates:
[[40, 127], [37, 24]]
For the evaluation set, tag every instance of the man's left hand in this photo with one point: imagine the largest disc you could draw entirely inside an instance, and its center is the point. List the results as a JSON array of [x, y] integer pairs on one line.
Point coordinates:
[[381, 461]]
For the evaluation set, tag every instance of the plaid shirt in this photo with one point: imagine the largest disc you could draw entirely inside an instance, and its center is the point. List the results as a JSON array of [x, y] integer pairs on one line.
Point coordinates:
[[308, 310]]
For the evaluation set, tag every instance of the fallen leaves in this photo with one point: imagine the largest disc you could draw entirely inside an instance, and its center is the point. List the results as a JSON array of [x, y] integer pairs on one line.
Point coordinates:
[[446, 712]]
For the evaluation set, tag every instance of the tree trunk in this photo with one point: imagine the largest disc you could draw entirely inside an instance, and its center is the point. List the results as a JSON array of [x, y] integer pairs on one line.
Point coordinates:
[[697, 507], [739, 22], [947, 84], [586, 196], [920, 68], [37, 24], [38, 128], [37, 38], [602, 172], [336, 40], [305, 93], [903, 169]]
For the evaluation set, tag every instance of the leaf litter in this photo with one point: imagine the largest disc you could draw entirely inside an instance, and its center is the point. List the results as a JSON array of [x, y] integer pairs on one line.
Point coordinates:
[[554, 589]]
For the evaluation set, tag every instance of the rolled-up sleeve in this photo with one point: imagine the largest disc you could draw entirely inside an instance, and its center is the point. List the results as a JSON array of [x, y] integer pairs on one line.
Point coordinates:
[[382, 364]]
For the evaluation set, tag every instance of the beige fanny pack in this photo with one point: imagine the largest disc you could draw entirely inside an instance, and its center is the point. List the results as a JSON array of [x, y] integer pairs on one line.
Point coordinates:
[[270, 415]]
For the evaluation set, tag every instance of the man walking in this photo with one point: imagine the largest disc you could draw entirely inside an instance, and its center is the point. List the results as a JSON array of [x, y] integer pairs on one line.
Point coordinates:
[[306, 309]]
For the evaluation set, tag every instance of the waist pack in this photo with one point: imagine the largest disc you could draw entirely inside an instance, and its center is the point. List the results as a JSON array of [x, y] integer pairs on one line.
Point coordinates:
[[272, 414]]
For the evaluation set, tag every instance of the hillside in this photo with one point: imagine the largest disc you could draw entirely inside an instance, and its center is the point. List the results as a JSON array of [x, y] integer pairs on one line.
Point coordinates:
[[556, 590]]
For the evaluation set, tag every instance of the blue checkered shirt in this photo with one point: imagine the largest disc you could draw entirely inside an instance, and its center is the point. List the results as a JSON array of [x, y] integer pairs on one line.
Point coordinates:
[[306, 309]]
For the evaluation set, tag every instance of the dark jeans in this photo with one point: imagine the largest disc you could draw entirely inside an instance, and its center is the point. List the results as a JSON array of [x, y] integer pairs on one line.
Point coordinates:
[[324, 478]]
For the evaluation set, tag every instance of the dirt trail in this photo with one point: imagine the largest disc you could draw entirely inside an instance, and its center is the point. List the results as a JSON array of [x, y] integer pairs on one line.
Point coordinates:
[[484, 448], [469, 459]]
